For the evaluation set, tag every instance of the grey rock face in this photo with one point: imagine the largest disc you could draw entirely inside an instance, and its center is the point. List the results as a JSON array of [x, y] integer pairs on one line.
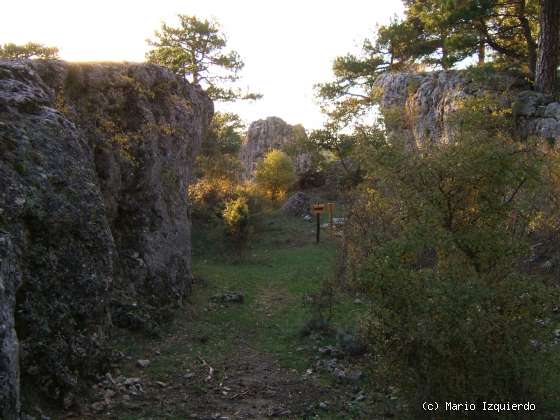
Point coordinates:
[[422, 107], [297, 205], [143, 126], [52, 212], [10, 279], [266, 135], [95, 160]]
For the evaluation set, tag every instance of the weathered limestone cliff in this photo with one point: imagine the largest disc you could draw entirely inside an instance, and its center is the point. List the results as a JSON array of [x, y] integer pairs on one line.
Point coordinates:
[[95, 160], [272, 133], [421, 106]]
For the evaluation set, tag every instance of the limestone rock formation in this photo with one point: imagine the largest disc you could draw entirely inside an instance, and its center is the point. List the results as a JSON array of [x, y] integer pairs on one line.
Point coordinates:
[[94, 164], [144, 127], [421, 106], [537, 114], [272, 133], [10, 279], [297, 205]]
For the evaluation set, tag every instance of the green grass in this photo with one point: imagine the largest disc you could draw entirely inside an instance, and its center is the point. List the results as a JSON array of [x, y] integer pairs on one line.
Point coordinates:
[[282, 266]]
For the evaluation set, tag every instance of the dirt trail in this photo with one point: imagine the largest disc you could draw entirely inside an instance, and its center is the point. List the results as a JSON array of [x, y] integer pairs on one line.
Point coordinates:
[[246, 384]]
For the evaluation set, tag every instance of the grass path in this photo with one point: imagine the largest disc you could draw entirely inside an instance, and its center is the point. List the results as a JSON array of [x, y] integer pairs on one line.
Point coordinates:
[[243, 360]]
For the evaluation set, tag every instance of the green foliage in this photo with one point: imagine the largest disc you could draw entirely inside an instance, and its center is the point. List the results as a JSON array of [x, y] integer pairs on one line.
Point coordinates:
[[303, 146], [346, 169], [275, 174], [218, 158], [195, 50], [217, 168], [236, 219], [13, 51], [224, 134], [208, 197], [440, 240]]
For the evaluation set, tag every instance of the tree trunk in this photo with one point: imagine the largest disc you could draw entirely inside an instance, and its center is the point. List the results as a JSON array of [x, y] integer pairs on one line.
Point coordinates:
[[545, 78], [531, 44], [482, 30], [481, 52], [444, 55]]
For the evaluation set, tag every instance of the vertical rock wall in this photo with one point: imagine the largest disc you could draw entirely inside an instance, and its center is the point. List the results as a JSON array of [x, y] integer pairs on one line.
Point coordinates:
[[10, 279], [95, 160], [144, 127]]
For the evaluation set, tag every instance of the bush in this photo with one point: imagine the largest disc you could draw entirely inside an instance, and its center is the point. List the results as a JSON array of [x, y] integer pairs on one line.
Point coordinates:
[[236, 219], [208, 197], [275, 174], [440, 241]]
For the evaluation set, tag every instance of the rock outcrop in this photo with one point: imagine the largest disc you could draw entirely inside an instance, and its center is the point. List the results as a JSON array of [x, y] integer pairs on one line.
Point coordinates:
[[94, 164], [537, 114], [421, 106], [10, 279], [273, 133], [297, 205]]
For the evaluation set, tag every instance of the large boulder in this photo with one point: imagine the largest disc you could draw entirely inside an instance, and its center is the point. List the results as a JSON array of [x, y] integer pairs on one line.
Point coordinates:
[[297, 205], [95, 160], [144, 127], [273, 133]]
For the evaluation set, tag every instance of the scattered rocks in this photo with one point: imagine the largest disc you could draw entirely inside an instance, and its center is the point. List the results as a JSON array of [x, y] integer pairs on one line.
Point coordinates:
[[109, 393], [355, 375], [129, 381], [278, 412], [110, 388], [330, 351], [360, 396], [319, 325], [228, 297], [350, 344], [143, 363], [98, 406]]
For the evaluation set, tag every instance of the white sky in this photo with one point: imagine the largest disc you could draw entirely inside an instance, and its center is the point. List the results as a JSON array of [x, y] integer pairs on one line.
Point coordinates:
[[287, 45]]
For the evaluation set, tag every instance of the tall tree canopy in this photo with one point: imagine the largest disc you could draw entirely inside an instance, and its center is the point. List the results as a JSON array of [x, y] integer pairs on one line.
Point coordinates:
[[218, 158], [441, 34], [196, 51], [13, 51]]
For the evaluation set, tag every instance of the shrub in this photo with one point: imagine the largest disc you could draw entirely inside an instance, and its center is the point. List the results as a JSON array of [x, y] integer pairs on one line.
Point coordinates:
[[236, 219], [275, 174], [208, 197], [440, 240]]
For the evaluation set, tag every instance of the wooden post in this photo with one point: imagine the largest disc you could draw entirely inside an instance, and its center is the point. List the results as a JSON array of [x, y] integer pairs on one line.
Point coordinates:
[[330, 207], [318, 226], [318, 209]]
